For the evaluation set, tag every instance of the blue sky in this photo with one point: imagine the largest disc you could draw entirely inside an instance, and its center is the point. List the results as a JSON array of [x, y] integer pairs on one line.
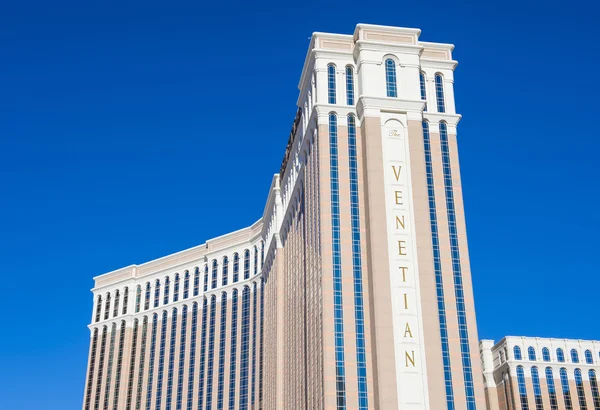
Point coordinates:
[[124, 126]]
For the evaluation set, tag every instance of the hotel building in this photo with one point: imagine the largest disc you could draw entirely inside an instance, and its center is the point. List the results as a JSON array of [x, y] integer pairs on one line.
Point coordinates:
[[532, 373], [353, 288]]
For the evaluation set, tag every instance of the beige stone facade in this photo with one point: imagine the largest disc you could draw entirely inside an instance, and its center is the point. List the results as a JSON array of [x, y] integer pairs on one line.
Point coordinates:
[[352, 291]]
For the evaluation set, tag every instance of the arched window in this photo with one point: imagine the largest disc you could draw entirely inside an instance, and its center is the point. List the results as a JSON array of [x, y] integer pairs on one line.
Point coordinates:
[[517, 353], [589, 358], [186, 284], [390, 78], [537, 391], [147, 298], [522, 388], [192, 370], [91, 368], [564, 381], [233, 348], [349, 86], [254, 314], [246, 264], [196, 281], [580, 390], [560, 356], [501, 356], [142, 360], [176, 288], [546, 354], [531, 353], [136, 325], [156, 293], [331, 84], [202, 353], [182, 340], [439, 92], [423, 89], [255, 260], [551, 389], [211, 352], [213, 282], [244, 349], [236, 267], [125, 299], [161, 359], [222, 337], [151, 360], [205, 286], [138, 298], [574, 356], [167, 290], [594, 388], [107, 307], [101, 355], [117, 301], [225, 277], [98, 308], [172, 340]]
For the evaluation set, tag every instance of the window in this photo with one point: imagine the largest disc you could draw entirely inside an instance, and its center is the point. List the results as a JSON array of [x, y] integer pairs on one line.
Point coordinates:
[[100, 367], [501, 356], [213, 282], [531, 353], [91, 368], [246, 264], [244, 350], [390, 78], [338, 311], [522, 388], [222, 337], [359, 314], [211, 352], [262, 254], [564, 381], [147, 298], [551, 389], [580, 390], [119, 365], [254, 312], [117, 300], [132, 356], [196, 281], [161, 359], [205, 286], [182, 335], [138, 298], [156, 293], [172, 341], [594, 388], [574, 356], [537, 391], [439, 92], [331, 84], [107, 307], [151, 360], [255, 260], [98, 308], [236, 267], [232, 353], [167, 290], [560, 356], [186, 284], [125, 300], [261, 348], [349, 87], [457, 270], [517, 353], [225, 278], [176, 288], [589, 358], [202, 353], [423, 89], [193, 329], [546, 354], [142, 363]]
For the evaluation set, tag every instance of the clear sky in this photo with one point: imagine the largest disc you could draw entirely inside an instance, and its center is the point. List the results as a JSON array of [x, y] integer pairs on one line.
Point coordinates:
[[125, 128]]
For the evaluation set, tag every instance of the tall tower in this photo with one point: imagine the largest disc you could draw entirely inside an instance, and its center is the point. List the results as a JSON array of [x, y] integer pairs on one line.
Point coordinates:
[[352, 290]]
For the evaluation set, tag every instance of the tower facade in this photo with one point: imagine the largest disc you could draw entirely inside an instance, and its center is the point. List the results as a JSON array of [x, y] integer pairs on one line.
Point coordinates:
[[353, 289]]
